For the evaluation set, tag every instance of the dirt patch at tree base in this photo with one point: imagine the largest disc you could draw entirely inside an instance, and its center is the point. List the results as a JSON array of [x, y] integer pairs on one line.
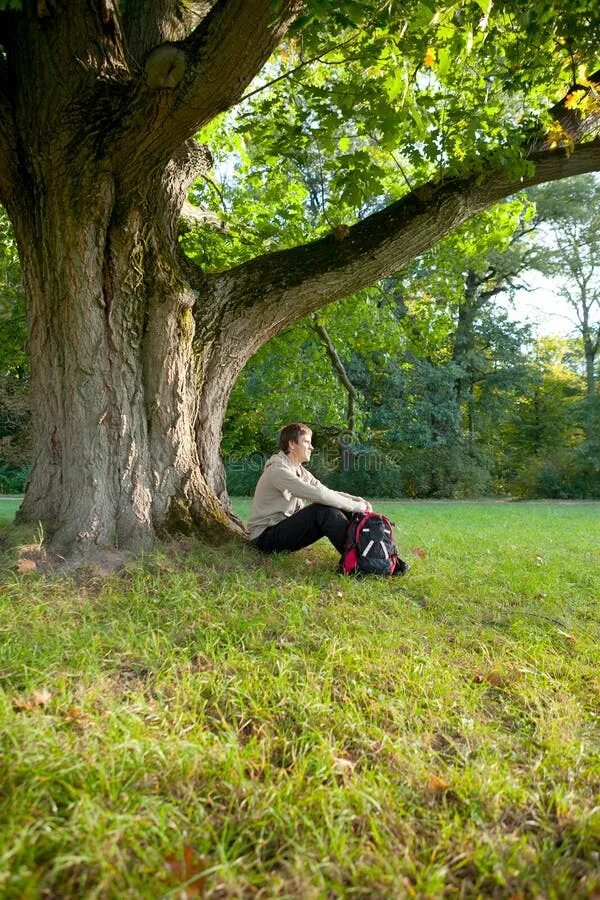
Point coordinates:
[[98, 564]]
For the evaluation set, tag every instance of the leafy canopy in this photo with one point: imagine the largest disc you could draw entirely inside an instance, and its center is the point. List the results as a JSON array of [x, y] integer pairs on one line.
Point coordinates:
[[364, 102]]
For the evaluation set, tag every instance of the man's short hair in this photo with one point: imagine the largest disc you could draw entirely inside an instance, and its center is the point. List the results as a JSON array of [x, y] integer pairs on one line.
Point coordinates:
[[292, 433]]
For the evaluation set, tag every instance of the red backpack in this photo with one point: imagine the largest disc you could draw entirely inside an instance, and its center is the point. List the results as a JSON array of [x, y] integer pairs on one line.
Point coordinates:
[[369, 548]]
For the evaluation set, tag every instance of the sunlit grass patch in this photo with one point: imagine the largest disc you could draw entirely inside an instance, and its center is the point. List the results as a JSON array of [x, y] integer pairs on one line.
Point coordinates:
[[263, 726]]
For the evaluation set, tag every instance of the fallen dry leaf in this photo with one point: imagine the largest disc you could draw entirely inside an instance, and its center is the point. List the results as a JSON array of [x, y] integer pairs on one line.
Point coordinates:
[[494, 677], [187, 870], [567, 635], [36, 698], [418, 551], [26, 565], [437, 785], [343, 767], [41, 698], [19, 704]]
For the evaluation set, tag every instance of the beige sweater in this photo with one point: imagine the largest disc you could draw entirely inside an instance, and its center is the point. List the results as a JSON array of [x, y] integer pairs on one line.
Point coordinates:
[[282, 489]]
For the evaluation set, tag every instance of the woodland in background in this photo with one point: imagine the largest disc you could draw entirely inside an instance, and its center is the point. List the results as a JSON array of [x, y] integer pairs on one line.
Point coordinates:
[[421, 386], [424, 386], [14, 369]]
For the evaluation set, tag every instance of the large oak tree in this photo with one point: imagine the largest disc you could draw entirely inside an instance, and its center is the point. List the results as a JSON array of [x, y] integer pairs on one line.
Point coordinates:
[[134, 349]]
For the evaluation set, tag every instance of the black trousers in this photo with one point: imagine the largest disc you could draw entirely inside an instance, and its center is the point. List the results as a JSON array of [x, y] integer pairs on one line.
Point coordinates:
[[304, 528]]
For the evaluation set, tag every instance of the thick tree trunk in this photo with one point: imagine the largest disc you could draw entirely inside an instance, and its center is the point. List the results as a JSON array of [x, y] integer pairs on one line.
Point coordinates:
[[221, 362], [96, 156], [591, 343], [464, 339], [90, 474], [115, 381]]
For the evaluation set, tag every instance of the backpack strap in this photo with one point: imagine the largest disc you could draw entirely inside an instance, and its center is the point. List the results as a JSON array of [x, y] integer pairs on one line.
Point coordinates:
[[355, 526]]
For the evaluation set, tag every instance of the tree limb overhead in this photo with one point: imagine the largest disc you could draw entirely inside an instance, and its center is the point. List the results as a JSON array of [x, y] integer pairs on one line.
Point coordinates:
[[186, 84], [58, 56], [274, 290], [148, 23]]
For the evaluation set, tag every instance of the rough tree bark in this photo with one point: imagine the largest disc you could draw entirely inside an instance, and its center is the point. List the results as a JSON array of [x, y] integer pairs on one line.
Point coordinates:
[[99, 156], [133, 350]]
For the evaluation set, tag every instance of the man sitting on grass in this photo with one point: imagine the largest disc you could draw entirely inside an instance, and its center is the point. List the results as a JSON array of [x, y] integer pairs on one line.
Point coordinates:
[[279, 521]]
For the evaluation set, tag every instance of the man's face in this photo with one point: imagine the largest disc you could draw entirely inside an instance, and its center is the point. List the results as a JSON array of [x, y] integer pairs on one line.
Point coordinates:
[[302, 448]]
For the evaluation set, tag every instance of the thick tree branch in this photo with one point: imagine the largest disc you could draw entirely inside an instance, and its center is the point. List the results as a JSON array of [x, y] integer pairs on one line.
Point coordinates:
[[61, 57], [340, 370], [187, 84], [573, 124], [272, 291], [148, 23], [189, 162]]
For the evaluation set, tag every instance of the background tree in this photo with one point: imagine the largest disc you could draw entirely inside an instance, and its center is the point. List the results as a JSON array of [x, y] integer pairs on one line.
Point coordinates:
[[462, 357], [421, 433], [542, 435], [134, 350], [569, 224], [14, 368], [463, 276], [568, 215]]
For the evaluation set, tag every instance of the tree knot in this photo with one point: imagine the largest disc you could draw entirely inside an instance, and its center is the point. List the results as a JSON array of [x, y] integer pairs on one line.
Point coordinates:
[[165, 67], [341, 232]]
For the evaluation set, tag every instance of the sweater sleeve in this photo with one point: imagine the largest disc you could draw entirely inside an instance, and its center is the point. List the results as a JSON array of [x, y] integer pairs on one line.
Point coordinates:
[[351, 497], [311, 489]]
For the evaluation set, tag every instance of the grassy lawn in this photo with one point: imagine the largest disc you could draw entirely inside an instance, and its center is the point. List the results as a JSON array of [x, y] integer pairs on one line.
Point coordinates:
[[261, 727], [8, 508]]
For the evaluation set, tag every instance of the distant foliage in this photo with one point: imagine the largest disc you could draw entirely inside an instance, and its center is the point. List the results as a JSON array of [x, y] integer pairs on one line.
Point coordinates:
[[455, 399], [13, 479], [14, 368]]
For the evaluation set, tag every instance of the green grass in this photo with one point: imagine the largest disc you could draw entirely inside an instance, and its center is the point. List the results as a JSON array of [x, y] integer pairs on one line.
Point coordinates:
[[271, 729], [8, 508]]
